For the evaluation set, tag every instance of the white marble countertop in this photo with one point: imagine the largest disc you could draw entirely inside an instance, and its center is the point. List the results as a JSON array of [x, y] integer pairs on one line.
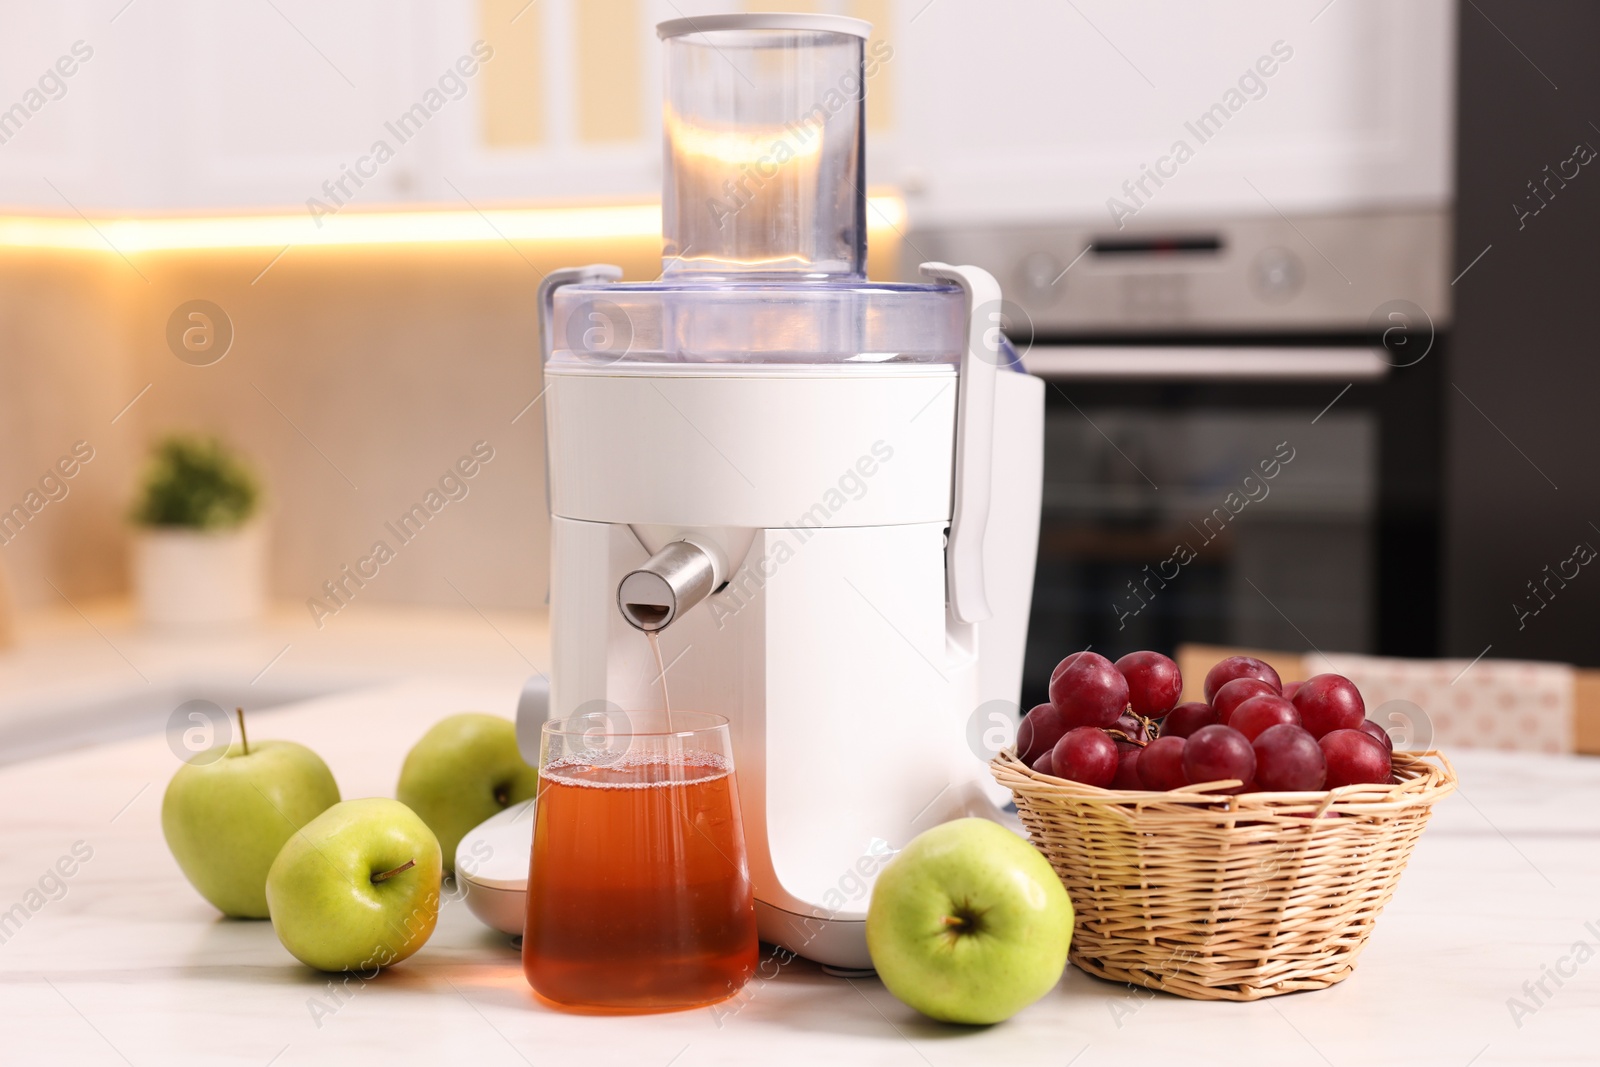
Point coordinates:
[[83, 678], [129, 965]]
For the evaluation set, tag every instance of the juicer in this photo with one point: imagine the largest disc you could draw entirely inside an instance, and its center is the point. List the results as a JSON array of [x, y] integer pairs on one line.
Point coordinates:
[[820, 493]]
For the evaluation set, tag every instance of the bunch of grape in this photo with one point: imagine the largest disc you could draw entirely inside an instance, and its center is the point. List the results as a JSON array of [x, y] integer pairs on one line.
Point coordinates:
[[1120, 726]]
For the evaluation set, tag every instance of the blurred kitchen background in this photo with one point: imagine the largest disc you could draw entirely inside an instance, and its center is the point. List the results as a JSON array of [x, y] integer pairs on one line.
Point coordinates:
[[315, 231]]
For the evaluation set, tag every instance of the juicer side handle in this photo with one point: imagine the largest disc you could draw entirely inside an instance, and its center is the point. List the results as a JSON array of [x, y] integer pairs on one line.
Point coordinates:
[[974, 472]]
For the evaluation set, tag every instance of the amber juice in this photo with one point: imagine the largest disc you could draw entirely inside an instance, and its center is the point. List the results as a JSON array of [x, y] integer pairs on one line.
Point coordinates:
[[639, 895]]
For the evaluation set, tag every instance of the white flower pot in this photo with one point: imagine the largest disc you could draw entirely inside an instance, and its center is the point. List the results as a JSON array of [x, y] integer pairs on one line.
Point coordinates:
[[185, 577]]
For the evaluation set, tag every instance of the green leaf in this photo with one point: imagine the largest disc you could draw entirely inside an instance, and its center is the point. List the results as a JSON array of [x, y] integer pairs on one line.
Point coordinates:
[[196, 482]]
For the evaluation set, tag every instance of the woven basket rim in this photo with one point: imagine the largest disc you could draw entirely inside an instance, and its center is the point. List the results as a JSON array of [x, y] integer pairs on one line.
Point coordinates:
[[1422, 783]]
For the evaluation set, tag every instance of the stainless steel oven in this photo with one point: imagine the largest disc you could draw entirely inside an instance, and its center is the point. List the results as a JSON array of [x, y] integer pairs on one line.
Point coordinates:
[[1243, 433]]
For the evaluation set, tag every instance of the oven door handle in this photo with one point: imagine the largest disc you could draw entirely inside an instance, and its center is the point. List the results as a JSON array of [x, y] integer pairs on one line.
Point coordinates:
[[1207, 363]]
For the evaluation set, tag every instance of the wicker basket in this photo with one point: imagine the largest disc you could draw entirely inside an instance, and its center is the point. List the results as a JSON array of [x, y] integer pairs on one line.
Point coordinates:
[[1226, 897]]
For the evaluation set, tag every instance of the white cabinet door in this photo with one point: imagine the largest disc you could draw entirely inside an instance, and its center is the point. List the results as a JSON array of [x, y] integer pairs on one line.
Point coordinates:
[[203, 105], [197, 105], [1037, 109], [55, 92], [282, 102], [567, 108]]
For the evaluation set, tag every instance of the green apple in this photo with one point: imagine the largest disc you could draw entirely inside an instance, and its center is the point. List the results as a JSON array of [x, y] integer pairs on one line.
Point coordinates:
[[968, 924], [357, 888], [226, 819], [465, 769]]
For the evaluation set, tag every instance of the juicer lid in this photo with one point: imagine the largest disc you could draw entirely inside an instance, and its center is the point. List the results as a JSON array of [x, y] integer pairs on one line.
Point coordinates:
[[772, 321]]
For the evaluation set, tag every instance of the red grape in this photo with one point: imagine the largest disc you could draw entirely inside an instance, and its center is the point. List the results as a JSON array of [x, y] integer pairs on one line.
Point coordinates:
[[1329, 702], [1289, 689], [1040, 730], [1262, 713], [1154, 683], [1185, 719], [1089, 691], [1240, 667], [1127, 776], [1215, 753], [1288, 760], [1377, 733], [1043, 764], [1064, 664], [1085, 754], [1161, 764], [1354, 758], [1236, 692]]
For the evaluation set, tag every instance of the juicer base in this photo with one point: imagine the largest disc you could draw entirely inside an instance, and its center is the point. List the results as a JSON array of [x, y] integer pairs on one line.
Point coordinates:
[[836, 943]]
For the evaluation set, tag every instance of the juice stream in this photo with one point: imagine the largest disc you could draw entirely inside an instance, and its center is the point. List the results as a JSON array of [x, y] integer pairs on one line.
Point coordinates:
[[661, 672]]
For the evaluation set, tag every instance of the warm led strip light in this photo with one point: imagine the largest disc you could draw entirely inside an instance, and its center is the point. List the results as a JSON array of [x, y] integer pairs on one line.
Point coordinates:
[[133, 235]]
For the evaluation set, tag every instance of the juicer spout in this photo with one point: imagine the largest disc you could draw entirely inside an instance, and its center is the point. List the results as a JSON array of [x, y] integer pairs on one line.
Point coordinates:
[[670, 583]]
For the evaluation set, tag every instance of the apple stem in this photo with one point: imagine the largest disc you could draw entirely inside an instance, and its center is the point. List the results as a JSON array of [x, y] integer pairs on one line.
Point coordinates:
[[386, 875], [244, 740]]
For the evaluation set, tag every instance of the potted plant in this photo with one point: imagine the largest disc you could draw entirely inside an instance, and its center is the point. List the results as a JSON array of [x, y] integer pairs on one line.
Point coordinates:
[[197, 556]]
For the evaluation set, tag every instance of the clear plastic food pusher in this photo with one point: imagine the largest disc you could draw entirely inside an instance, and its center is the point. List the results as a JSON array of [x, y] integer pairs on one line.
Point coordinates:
[[763, 129]]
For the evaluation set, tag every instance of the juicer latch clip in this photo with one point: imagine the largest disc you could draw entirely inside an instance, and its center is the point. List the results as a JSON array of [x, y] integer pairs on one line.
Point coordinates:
[[974, 473]]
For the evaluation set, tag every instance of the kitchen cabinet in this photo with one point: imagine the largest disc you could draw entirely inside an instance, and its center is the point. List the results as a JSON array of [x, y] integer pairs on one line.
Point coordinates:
[[1520, 480], [567, 108], [55, 102], [1043, 110], [1033, 109], [180, 104], [290, 104], [278, 103]]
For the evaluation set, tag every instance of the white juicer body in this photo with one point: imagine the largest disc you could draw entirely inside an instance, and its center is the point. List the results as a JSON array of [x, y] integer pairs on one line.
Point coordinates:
[[829, 497]]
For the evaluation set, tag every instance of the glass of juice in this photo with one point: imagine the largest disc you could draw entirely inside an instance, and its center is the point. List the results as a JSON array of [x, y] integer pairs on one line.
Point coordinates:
[[639, 895]]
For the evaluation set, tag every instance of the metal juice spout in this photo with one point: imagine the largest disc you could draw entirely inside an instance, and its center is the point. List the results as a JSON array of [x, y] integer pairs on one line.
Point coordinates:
[[670, 583]]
